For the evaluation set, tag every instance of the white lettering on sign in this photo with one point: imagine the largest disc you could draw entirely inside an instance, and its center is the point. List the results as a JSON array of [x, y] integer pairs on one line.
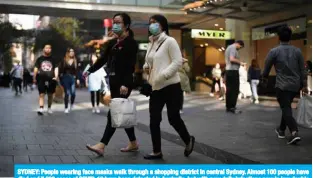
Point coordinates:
[[210, 34]]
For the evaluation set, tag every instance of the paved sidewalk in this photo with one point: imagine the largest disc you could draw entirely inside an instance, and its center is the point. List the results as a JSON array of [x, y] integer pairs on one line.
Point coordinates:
[[59, 138], [245, 138]]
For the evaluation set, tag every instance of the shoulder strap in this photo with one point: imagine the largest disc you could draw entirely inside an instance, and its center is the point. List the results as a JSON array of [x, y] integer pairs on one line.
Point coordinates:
[[160, 45]]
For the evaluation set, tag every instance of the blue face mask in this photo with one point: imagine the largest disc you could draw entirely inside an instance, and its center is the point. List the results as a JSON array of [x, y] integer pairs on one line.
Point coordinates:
[[154, 29], [117, 29]]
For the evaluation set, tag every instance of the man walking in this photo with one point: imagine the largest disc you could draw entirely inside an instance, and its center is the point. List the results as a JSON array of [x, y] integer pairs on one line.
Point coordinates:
[[17, 75], [290, 79], [233, 63], [47, 71]]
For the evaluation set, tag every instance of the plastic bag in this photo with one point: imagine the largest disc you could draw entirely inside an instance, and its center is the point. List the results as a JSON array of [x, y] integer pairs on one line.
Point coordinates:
[[123, 113], [304, 113]]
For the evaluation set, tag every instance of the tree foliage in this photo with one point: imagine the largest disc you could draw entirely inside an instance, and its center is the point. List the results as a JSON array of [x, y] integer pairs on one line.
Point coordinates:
[[61, 35]]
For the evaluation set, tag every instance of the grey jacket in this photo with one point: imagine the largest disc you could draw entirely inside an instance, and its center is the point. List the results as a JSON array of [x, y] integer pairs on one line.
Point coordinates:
[[289, 65]]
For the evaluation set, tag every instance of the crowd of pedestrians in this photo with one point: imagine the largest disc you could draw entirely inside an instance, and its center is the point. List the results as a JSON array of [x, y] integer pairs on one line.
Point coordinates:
[[167, 72]]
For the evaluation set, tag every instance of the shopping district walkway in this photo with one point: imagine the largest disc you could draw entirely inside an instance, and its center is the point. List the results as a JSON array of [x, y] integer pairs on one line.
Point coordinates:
[[220, 137]]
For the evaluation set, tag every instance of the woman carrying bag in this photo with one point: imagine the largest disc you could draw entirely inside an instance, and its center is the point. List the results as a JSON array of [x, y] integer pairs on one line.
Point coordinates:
[[120, 56], [163, 60]]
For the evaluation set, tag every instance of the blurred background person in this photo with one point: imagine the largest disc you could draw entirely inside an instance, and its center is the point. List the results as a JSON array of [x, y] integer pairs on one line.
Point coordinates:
[[254, 74], [244, 87], [216, 78]]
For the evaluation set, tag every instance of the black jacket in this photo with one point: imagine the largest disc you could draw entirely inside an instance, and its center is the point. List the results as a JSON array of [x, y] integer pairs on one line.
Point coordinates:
[[121, 60]]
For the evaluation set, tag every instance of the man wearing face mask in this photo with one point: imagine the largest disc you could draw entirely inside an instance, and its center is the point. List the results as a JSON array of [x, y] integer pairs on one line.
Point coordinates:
[[233, 63]]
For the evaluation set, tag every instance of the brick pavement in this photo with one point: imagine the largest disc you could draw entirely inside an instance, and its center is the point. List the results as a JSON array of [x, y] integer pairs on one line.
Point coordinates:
[[221, 138], [59, 138]]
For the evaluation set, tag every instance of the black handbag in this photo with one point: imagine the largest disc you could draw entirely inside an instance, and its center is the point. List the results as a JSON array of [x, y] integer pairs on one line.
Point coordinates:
[[145, 89]]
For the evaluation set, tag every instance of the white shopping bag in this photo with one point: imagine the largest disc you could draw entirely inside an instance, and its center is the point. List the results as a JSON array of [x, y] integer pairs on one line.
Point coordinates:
[[304, 112], [123, 113]]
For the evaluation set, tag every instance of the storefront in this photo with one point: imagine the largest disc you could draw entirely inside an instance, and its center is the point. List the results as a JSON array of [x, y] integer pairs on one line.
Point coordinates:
[[208, 49], [264, 38]]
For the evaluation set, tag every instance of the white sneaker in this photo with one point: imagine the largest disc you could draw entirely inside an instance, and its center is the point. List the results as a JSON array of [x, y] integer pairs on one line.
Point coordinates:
[[50, 111], [66, 111], [211, 94], [98, 110], [71, 107], [40, 111], [256, 102], [93, 110], [221, 98]]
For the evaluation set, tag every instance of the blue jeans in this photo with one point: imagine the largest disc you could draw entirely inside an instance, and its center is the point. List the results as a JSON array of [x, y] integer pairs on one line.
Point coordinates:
[[68, 83]]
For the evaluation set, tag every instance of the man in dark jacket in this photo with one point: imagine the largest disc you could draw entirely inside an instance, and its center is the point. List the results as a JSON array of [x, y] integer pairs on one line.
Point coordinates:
[[290, 79]]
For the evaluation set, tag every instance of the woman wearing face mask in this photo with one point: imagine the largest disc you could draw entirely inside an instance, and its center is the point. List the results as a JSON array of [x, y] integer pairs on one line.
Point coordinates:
[[120, 56], [69, 75], [163, 61]]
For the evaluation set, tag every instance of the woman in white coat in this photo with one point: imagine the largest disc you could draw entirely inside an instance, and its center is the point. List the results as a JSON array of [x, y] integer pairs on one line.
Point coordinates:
[[95, 82], [163, 60]]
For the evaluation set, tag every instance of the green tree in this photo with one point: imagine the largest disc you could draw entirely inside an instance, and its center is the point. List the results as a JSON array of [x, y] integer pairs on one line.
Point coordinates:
[[61, 34]]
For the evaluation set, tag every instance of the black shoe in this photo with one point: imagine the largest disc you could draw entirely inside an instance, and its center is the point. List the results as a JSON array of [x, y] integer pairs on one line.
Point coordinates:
[[280, 134], [153, 157], [190, 146], [234, 111], [293, 139]]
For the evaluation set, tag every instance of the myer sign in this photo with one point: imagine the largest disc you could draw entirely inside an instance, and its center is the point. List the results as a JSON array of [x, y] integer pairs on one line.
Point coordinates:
[[210, 34]]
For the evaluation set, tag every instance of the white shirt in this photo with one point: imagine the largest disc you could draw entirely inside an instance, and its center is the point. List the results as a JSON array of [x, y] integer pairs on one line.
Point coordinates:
[[164, 63]]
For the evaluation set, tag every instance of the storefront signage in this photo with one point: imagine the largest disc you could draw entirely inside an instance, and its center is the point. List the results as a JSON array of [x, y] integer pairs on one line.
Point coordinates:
[[210, 34], [297, 26]]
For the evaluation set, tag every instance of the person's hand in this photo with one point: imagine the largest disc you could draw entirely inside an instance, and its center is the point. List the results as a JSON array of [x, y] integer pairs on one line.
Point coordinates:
[[123, 90], [34, 81], [78, 82], [85, 74], [107, 98]]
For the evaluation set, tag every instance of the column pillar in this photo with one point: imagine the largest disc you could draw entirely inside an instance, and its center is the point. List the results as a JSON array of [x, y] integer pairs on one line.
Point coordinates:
[[240, 30]]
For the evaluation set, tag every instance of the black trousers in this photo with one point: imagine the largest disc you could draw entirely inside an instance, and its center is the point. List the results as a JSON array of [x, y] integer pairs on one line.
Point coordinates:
[[17, 84], [285, 98], [232, 88], [171, 96], [94, 94], [109, 130], [213, 85]]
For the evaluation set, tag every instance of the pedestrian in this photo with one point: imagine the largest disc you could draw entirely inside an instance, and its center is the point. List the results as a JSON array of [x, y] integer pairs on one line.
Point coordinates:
[[233, 63], [254, 74], [184, 81], [68, 71], [244, 85], [17, 76], [163, 61], [94, 82], [27, 79], [216, 75], [120, 56], [46, 73], [290, 79]]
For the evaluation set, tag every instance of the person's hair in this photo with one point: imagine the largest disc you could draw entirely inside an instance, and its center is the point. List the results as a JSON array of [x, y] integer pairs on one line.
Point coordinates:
[[242, 44], [46, 44], [255, 64], [284, 34], [126, 21], [67, 57], [162, 21]]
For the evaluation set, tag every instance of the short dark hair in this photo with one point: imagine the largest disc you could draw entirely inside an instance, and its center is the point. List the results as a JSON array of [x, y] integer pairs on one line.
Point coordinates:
[[46, 44], [163, 22], [284, 34], [242, 44]]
